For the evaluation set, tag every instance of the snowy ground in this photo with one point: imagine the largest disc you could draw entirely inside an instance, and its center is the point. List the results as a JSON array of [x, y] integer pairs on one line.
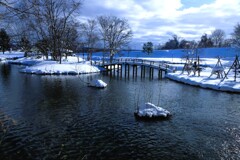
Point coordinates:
[[208, 78], [10, 55], [76, 65], [205, 81], [52, 67], [71, 66]]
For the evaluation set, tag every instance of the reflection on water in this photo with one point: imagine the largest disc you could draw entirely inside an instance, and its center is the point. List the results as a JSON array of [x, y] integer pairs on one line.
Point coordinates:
[[59, 117]]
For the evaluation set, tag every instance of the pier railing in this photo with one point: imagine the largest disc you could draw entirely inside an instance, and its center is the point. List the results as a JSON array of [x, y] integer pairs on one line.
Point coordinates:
[[132, 61], [127, 63]]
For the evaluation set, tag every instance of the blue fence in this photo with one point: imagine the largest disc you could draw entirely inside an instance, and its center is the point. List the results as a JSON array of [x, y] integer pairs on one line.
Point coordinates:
[[178, 53]]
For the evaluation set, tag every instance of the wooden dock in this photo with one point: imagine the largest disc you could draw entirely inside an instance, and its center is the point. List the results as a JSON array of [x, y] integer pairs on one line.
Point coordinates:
[[123, 67]]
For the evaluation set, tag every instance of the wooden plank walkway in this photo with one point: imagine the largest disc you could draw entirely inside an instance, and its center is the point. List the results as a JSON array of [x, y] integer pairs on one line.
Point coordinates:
[[127, 64]]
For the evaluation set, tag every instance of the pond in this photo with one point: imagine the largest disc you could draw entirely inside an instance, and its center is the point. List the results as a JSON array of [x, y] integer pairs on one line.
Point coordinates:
[[59, 117]]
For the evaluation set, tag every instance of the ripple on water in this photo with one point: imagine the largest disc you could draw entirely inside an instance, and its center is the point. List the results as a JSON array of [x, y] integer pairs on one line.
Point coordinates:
[[64, 120]]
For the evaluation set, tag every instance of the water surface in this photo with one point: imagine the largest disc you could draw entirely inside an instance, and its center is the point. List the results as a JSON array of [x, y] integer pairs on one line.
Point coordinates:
[[59, 117]]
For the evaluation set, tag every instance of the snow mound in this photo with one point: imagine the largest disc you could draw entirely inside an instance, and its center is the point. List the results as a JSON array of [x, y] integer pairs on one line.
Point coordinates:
[[51, 67], [149, 110], [97, 83]]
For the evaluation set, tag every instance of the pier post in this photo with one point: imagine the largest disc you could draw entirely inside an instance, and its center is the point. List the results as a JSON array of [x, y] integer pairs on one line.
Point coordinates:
[[152, 72], [136, 70], [144, 71], [133, 70], [121, 70], [114, 69], [110, 70], [125, 67], [128, 70], [159, 73]]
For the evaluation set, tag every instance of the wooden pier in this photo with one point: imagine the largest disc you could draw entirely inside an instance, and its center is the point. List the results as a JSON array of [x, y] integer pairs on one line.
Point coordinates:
[[136, 66]]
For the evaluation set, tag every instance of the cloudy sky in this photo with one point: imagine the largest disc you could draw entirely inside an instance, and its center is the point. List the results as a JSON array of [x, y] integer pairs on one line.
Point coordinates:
[[158, 20]]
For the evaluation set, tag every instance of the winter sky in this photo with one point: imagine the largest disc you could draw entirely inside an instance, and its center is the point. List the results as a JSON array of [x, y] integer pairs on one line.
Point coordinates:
[[158, 20]]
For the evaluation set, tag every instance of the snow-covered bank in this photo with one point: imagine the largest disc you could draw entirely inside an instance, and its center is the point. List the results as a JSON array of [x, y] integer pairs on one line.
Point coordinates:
[[75, 65], [52, 67], [71, 66], [205, 81], [28, 61], [11, 55]]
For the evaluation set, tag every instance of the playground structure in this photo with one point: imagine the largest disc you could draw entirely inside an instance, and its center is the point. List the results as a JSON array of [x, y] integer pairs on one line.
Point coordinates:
[[235, 67], [192, 66], [218, 70]]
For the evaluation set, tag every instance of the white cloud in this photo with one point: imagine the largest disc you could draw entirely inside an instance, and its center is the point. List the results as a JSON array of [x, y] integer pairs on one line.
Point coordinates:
[[159, 18]]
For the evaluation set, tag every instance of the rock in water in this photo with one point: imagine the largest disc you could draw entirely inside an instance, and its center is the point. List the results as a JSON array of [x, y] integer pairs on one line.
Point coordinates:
[[151, 111], [97, 83]]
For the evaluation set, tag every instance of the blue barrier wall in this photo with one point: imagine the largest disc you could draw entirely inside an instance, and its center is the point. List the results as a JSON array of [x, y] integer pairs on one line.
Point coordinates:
[[179, 53]]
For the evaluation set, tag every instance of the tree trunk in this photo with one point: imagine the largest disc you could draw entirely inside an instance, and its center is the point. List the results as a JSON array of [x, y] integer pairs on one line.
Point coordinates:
[[111, 56], [60, 55], [25, 54], [90, 57]]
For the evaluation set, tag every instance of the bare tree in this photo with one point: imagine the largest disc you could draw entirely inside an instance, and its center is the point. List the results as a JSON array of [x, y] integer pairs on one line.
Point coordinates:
[[217, 37], [236, 36], [115, 33], [5, 6], [227, 43], [91, 36], [70, 39], [50, 20]]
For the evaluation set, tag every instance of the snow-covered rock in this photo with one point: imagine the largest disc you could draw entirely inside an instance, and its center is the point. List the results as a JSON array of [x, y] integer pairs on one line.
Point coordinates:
[[97, 83], [151, 111]]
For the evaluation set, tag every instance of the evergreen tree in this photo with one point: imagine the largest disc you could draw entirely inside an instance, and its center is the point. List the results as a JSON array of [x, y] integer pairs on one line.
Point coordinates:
[[172, 43], [4, 40], [148, 47], [205, 42]]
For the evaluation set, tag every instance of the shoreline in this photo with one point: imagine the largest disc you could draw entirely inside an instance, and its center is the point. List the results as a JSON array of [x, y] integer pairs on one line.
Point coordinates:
[[228, 85], [74, 65]]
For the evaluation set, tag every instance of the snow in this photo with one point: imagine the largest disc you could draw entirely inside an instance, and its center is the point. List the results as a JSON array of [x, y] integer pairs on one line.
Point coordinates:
[[205, 81], [52, 67], [74, 65], [97, 83], [28, 61], [10, 55], [208, 78], [149, 110]]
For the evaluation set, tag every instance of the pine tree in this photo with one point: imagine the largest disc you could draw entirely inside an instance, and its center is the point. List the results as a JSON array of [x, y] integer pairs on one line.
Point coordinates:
[[4, 40], [148, 47]]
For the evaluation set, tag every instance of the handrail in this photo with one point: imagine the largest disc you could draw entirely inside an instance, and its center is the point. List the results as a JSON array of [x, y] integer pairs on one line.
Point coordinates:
[[157, 64]]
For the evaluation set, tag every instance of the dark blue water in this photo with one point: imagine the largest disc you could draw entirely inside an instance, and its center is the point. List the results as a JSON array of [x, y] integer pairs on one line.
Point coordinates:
[[59, 117]]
